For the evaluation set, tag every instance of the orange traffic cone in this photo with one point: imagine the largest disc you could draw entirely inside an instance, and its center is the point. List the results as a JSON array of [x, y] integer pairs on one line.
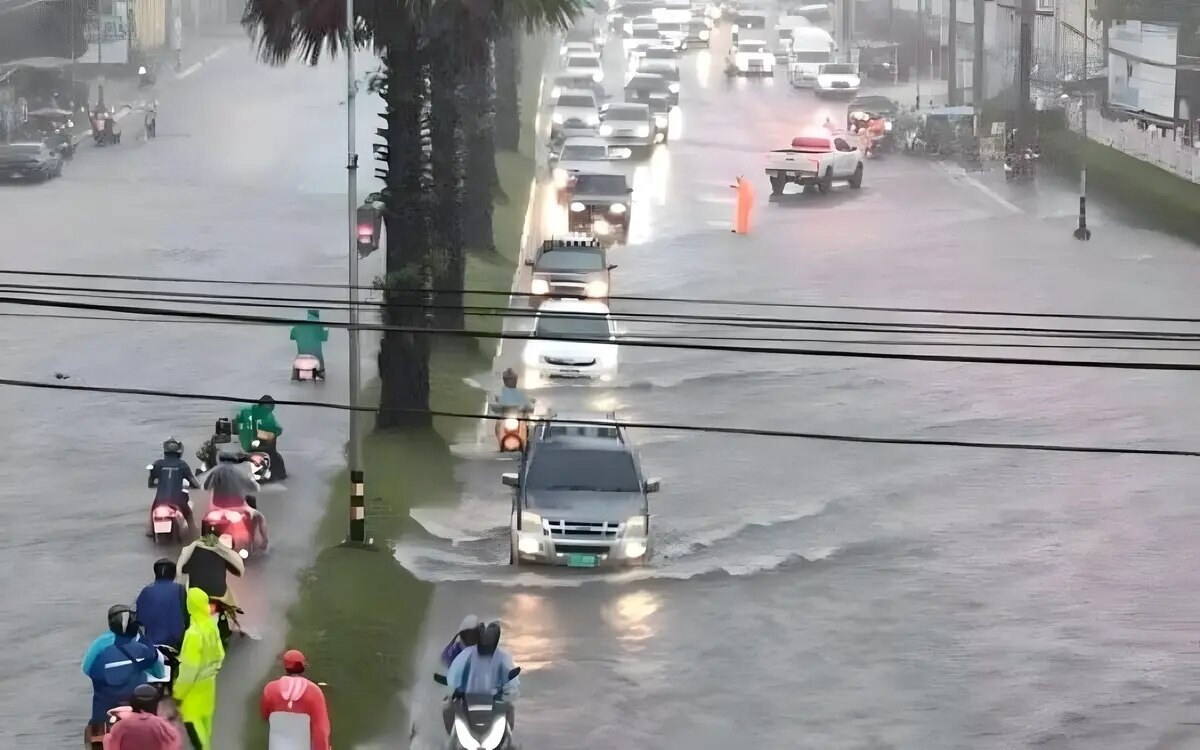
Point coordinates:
[[745, 202]]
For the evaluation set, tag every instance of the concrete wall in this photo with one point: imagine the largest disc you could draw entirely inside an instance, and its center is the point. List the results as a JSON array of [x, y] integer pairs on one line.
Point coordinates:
[[149, 23]]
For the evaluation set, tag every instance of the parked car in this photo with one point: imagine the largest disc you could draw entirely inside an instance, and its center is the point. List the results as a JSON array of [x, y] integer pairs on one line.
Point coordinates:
[[29, 161]]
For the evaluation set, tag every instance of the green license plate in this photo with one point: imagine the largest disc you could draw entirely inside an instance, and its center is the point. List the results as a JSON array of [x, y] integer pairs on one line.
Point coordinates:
[[582, 561]]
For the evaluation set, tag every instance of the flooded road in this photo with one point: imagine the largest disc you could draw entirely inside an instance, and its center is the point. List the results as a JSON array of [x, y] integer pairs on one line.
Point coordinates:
[[837, 595], [233, 188]]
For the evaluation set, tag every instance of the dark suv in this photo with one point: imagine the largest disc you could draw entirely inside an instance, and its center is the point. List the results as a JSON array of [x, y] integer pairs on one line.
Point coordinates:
[[580, 497], [571, 268]]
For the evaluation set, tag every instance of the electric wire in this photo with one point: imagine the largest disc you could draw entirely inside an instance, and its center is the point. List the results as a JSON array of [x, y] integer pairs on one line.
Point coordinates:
[[713, 429]]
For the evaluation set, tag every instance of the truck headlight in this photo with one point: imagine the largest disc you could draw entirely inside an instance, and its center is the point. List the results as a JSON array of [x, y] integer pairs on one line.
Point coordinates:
[[635, 548], [540, 286], [596, 289], [606, 130], [598, 76], [560, 177], [576, 207], [636, 525], [673, 88], [512, 424], [593, 120], [617, 208], [557, 118], [704, 35], [643, 131], [530, 520]]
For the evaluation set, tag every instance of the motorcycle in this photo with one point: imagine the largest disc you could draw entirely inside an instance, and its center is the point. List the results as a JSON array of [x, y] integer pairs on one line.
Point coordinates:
[[104, 128], [262, 447], [480, 720], [95, 736], [307, 367], [235, 528], [168, 524], [512, 429], [1020, 166], [225, 615]]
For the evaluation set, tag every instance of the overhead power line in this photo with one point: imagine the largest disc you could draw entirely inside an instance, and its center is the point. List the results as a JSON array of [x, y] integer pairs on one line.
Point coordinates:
[[720, 430], [852, 354]]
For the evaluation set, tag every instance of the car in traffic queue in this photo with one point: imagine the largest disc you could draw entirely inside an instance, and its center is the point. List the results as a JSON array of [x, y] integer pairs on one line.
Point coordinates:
[[575, 155], [564, 82], [600, 205], [29, 161], [674, 33], [745, 19], [574, 113], [620, 16], [577, 47], [584, 64], [657, 52], [667, 71], [698, 33], [837, 79], [627, 124], [575, 266], [642, 37], [643, 88], [580, 498], [816, 160], [640, 23], [749, 57], [571, 340]]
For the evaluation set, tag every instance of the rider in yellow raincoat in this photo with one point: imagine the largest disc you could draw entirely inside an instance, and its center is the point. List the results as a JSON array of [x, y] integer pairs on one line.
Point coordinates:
[[200, 659]]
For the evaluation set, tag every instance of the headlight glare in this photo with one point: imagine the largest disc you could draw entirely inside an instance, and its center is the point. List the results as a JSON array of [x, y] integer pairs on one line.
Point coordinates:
[[617, 208], [576, 206], [606, 130], [643, 131], [596, 289], [673, 88], [557, 118], [539, 286], [598, 76], [530, 520], [560, 177]]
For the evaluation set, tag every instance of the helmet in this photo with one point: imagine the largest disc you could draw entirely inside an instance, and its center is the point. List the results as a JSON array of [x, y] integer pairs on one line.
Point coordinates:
[[468, 630], [121, 620], [226, 457], [267, 401], [144, 699], [489, 638], [172, 445], [164, 569], [510, 378]]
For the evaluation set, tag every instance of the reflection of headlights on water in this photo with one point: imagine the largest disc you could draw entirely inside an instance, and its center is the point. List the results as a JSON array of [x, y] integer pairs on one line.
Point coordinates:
[[596, 289], [540, 286], [557, 118], [673, 88], [606, 130], [577, 207]]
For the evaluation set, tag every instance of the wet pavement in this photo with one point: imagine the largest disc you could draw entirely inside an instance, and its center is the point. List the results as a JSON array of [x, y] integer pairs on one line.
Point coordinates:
[[234, 187], [834, 595]]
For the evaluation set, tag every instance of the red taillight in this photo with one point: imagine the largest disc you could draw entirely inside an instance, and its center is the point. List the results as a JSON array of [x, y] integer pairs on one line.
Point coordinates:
[[365, 232], [164, 512]]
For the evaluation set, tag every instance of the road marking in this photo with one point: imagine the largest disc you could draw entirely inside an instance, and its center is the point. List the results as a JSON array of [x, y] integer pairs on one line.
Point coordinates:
[[722, 200], [962, 177], [197, 65]]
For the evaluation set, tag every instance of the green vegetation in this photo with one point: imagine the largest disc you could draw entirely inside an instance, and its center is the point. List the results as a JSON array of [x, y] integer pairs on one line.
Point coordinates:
[[1153, 194], [358, 614]]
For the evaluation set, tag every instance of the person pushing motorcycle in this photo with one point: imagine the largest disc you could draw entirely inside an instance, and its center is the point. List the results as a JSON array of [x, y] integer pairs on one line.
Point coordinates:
[[232, 489], [205, 564]]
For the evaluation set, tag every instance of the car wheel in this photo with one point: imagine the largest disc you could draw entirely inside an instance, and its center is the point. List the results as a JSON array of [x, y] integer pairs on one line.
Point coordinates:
[[856, 178], [826, 183], [777, 184]]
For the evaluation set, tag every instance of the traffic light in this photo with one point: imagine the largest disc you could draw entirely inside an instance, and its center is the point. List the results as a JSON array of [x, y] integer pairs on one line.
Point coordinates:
[[370, 222]]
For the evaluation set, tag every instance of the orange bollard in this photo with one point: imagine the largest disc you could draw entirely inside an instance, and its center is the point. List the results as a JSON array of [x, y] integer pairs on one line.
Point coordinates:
[[745, 202]]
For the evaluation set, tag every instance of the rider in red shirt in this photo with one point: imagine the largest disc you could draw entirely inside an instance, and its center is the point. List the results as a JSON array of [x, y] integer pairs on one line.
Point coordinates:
[[294, 707]]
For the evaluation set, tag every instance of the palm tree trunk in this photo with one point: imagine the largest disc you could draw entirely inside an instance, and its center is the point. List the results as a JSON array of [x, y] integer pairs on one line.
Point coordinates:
[[482, 183], [403, 357], [445, 135], [507, 99]]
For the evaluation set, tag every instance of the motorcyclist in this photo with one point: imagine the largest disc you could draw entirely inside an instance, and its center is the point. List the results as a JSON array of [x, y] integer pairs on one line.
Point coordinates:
[[510, 396], [829, 125], [143, 728], [261, 416], [205, 563], [482, 668], [170, 474], [231, 488], [310, 338], [467, 635], [200, 660], [294, 708], [162, 607], [117, 662]]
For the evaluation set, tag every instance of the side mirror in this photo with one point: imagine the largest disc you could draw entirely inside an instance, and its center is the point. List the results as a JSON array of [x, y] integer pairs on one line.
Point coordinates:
[[510, 480], [439, 679], [529, 262], [651, 485], [611, 266], [512, 673]]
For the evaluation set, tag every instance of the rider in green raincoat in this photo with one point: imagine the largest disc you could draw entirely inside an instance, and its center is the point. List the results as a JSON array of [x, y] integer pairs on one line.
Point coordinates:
[[200, 658], [310, 336], [255, 417]]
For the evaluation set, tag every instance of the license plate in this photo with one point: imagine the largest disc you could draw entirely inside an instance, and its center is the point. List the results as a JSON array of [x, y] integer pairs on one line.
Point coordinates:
[[162, 527], [568, 371], [306, 375], [575, 560]]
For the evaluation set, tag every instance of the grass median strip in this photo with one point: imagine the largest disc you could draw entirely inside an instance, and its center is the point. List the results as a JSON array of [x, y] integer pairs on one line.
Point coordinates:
[[358, 614]]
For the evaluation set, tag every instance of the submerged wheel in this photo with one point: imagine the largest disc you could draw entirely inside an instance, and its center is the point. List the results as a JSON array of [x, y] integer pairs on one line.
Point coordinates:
[[777, 184], [826, 182], [856, 178]]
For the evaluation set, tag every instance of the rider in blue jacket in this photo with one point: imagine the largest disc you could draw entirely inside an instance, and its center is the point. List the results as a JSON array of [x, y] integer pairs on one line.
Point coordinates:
[[117, 662], [161, 608]]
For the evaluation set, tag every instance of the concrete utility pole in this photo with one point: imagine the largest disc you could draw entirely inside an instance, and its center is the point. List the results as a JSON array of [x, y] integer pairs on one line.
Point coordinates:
[[847, 35], [978, 66], [1082, 232], [1024, 73], [100, 53], [952, 49], [358, 507], [920, 46]]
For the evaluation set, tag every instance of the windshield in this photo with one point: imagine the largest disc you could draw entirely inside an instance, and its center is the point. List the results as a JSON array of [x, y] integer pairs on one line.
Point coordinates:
[[658, 68], [583, 470], [582, 62], [670, 27], [626, 115], [574, 100], [651, 33], [647, 82], [571, 260], [572, 326], [838, 69], [583, 153], [751, 46], [810, 57]]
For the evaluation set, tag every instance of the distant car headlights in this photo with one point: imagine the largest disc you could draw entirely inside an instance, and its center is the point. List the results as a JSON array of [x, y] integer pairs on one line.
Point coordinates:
[[606, 130], [617, 208], [596, 289], [576, 207], [557, 118], [643, 131], [598, 76], [540, 286], [593, 120]]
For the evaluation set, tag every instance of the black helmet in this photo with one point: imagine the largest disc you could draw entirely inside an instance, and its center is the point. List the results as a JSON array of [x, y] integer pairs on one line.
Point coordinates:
[[489, 638], [164, 569], [144, 699], [173, 446], [121, 620], [267, 401], [510, 378]]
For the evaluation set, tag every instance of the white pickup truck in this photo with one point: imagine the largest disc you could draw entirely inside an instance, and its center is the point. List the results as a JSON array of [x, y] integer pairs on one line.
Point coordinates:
[[816, 160]]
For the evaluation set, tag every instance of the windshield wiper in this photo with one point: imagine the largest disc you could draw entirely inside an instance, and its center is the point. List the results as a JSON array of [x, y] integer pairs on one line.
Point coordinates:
[[565, 488]]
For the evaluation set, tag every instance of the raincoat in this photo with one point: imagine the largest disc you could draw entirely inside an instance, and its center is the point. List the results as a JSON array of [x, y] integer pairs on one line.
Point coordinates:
[[229, 484], [117, 664], [473, 673], [310, 337], [253, 418], [512, 398], [456, 645], [162, 610], [142, 731], [295, 709], [199, 661]]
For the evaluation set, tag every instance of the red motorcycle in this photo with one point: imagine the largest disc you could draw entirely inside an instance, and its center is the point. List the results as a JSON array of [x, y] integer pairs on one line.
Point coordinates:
[[237, 528]]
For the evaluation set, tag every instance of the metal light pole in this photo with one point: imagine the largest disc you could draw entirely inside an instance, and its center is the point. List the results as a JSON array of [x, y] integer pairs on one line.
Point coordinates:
[[1082, 232], [358, 510]]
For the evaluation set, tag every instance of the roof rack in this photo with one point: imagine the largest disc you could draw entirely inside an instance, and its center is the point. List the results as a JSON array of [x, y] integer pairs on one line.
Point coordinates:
[[573, 239], [548, 428]]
